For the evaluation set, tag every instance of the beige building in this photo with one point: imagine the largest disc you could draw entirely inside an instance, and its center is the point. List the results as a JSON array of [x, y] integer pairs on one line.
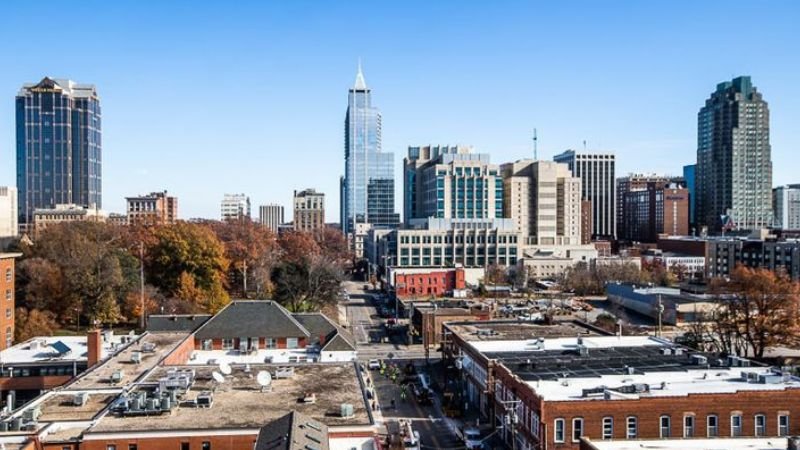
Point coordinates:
[[8, 212], [309, 210], [44, 217], [544, 201], [270, 216], [157, 208]]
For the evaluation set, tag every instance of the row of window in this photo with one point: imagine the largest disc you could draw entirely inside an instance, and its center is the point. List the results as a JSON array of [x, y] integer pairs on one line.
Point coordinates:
[[665, 427], [270, 343], [206, 445]]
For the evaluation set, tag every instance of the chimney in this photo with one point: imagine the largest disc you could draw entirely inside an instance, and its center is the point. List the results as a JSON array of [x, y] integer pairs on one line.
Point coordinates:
[[95, 344], [322, 340]]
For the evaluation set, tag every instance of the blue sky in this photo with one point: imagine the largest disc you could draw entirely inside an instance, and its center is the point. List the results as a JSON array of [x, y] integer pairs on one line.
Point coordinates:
[[203, 98]]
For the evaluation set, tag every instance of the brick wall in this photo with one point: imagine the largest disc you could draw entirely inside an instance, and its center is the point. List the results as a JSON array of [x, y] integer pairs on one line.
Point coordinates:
[[7, 301], [436, 283], [218, 442], [182, 352]]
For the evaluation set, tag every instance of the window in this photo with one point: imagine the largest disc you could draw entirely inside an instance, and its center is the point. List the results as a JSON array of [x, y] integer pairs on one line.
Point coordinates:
[[783, 425], [8, 313], [632, 430], [761, 425], [664, 426], [227, 344], [577, 429], [291, 342], [208, 344], [559, 430], [184, 446], [8, 275], [608, 427], [8, 294], [270, 343], [712, 426], [206, 445], [688, 426], [736, 425], [132, 446], [111, 447]]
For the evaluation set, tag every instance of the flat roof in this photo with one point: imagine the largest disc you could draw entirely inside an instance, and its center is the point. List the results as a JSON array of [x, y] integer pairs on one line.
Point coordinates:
[[100, 377], [239, 402], [564, 344], [61, 406], [514, 330], [724, 380], [40, 349], [771, 443]]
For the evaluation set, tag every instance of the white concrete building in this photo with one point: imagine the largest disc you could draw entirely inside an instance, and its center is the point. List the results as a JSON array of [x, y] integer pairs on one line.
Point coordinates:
[[235, 206], [786, 207], [8, 212]]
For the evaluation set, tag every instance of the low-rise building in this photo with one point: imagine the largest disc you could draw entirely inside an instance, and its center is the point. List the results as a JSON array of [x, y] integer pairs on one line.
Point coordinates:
[[426, 282], [156, 208], [688, 444], [754, 252], [44, 217], [556, 388], [677, 307], [235, 207], [689, 265]]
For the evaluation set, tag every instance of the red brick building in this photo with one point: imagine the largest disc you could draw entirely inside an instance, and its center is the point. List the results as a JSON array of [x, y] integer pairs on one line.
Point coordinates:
[[561, 389], [656, 210], [436, 283], [7, 275]]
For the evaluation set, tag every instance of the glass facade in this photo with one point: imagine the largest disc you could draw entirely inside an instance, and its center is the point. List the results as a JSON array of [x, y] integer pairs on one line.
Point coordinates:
[[59, 146], [368, 184]]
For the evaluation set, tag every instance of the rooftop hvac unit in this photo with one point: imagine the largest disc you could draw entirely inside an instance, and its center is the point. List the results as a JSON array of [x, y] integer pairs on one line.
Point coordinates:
[[699, 360], [770, 378], [205, 399], [32, 414], [148, 347], [347, 410], [583, 350], [34, 345], [136, 357], [80, 399], [677, 351], [116, 376], [284, 372]]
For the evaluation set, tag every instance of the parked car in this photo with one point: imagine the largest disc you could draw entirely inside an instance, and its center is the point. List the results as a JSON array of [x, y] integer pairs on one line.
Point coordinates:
[[373, 364]]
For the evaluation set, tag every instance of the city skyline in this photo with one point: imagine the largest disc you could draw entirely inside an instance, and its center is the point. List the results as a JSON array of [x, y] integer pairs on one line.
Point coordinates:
[[449, 87]]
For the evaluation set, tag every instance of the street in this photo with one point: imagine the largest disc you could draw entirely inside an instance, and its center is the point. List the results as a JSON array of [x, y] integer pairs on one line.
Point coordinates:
[[366, 325]]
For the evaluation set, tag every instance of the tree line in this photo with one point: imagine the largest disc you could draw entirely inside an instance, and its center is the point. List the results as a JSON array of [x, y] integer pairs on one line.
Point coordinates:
[[86, 273]]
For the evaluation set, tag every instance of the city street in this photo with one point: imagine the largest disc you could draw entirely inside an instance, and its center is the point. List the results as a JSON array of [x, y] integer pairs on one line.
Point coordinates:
[[366, 325]]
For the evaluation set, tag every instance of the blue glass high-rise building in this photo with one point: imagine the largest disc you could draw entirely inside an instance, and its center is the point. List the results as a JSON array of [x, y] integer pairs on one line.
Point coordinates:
[[367, 188], [59, 147]]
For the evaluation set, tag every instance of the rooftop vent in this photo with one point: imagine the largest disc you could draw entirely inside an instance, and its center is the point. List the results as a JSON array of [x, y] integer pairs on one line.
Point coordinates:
[[80, 399], [347, 410]]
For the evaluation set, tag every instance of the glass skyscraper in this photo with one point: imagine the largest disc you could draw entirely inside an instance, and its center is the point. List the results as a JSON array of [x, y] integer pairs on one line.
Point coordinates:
[[367, 188], [59, 149]]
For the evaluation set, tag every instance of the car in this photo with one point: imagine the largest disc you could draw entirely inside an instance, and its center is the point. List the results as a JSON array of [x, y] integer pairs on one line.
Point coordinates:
[[373, 364]]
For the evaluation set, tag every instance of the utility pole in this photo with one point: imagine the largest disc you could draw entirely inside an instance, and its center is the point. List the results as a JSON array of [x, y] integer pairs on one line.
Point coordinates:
[[141, 284], [244, 277]]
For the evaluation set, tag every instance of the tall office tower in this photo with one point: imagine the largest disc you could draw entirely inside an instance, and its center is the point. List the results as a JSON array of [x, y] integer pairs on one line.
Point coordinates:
[[734, 165], [157, 208], [8, 212], [596, 171], [309, 210], [451, 183], [636, 182], [59, 149], [367, 188], [786, 206], [543, 199], [235, 207], [689, 178], [270, 216]]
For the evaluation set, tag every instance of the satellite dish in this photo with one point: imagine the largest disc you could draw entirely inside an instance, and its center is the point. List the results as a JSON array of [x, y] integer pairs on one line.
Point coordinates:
[[217, 377], [264, 378], [225, 368]]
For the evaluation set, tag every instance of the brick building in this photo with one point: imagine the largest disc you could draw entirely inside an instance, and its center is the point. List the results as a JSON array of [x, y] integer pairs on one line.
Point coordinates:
[[427, 283], [7, 276], [654, 211], [557, 390], [156, 208]]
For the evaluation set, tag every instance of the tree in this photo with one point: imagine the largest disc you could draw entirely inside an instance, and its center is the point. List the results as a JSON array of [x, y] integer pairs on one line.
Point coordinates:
[[188, 261], [494, 274], [40, 285], [307, 286], [249, 246], [298, 246], [132, 306], [32, 323], [333, 244], [757, 309]]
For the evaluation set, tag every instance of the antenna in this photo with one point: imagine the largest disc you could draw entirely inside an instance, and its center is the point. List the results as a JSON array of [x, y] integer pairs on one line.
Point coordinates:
[[584, 145], [535, 146], [225, 368], [264, 379]]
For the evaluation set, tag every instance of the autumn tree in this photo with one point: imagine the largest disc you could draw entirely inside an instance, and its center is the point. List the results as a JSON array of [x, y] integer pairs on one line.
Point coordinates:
[[189, 260], [333, 244], [298, 246], [756, 309], [495, 274], [32, 323]]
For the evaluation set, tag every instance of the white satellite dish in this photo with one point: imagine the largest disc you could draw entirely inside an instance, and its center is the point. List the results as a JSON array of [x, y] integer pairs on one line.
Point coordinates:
[[264, 378], [225, 368], [217, 377]]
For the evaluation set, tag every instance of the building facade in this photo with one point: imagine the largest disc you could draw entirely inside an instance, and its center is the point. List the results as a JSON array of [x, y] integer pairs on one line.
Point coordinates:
[[426, 283], [309, 210], [654, 211], [367, 187], [543, 200], [785, 206], [271, 216], [690, 178], [235, 207], [157, 208], [7, 277], [8, 212], [725, 254], [43, 218], [59, 146], [638, 182], [598, 185], [734, 162]]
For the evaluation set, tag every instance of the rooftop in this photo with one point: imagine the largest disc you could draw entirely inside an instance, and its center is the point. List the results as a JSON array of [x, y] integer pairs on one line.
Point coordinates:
[[161, 345], [293, 431], [176, 322], [45, 349], [62, 406], [239, 402], [772, 443], [515, 330]]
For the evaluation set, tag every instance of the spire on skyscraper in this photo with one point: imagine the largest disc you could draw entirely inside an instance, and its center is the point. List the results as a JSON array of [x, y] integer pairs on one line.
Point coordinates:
[[360, 85]]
